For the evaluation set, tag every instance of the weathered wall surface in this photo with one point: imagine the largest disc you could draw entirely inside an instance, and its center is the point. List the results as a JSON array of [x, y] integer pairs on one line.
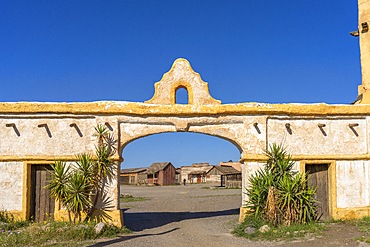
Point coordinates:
[[236, 129], [46, 135], [28, 139], [364, 35], [334, 133], [353, 188], [181, 75], [319, 136], [11, 185]]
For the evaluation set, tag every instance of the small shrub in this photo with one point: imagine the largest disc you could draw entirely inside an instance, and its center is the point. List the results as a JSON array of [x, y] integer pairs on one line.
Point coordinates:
[[130, 198], [57, 234], [111, 231], [277, 233], [8, 222], [362, 225]]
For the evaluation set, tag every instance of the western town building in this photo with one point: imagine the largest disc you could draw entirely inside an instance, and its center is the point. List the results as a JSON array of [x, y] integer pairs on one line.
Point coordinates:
[[161, 173], [133, 176], [225, 176], [330, 140], [196, 173]]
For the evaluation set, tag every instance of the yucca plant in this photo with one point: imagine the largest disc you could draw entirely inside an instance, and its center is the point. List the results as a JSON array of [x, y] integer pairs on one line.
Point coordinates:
[[61, 175], [86, 166], [81, 188], [78, 195], [296, 199], [104, 172], [280, 195], [258, 191], [278, 162]]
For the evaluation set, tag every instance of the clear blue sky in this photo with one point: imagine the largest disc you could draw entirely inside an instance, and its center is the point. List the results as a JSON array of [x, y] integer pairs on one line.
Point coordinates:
[[247, 50]]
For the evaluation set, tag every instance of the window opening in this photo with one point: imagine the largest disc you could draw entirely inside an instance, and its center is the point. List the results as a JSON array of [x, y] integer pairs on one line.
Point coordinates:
[[182, 96]]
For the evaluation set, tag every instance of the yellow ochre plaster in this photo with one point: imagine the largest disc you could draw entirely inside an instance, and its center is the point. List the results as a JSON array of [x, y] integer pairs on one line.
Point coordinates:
[[326, 158], [47, 158], [364, 36], [142, 109], [178, 85]]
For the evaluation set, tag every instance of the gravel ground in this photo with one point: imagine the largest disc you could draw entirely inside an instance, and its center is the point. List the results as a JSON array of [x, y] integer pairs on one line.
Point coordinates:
[[192, 215]]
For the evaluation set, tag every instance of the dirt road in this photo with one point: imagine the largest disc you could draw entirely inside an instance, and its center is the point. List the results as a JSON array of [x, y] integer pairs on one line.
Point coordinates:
[[191, 215]]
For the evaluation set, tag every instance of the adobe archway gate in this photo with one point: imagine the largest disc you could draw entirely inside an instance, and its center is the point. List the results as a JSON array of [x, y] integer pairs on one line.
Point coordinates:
[[336, 136]]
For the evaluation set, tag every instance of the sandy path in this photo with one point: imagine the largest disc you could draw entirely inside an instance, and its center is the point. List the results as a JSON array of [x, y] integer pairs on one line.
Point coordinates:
[[186, 216]]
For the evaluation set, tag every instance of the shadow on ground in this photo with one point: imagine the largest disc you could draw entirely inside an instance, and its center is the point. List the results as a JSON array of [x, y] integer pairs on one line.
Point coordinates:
[[148, 220], [128, 237]]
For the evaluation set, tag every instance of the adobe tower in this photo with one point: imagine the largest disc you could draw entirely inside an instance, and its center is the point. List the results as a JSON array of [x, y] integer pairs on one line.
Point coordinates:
[[364, 35]]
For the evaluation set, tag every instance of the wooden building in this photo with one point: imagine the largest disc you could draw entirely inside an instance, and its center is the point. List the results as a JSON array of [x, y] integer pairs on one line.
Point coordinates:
[[197, 177], [161, 173], [133, 176], [236, 165], [226, 176], [196, 173], [178, 179]]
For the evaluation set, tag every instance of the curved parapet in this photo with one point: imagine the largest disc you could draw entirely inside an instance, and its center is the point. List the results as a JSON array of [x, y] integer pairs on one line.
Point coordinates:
[[181, 75]]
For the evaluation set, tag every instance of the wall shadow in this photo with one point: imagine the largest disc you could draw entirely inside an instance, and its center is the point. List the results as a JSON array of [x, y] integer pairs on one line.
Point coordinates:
[[146, 220], [138, 221], [128, 237]]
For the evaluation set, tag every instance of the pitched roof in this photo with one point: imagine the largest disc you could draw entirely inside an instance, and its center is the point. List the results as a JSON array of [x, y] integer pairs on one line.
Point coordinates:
[[197, 173], [225, 170], [200, 164], [157, 166], [133, 170]]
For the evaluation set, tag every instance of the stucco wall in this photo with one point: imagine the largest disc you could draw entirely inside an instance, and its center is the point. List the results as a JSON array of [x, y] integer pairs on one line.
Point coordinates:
[[251, 134], [30, 136], [304, 136], [11, 184], [353, 183]]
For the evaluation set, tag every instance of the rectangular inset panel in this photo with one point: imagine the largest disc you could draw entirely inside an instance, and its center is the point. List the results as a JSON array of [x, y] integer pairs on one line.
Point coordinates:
[[11, 185], [352, 183], [319, 136], [46, 136]]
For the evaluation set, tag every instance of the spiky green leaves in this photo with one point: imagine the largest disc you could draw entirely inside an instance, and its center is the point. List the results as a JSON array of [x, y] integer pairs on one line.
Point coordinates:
[[279, 194], [82, 187], [60, 174]]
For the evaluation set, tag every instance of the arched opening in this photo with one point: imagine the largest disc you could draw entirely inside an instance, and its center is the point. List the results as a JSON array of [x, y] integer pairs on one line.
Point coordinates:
[[176, 148], [199, 200], [181, 96]]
